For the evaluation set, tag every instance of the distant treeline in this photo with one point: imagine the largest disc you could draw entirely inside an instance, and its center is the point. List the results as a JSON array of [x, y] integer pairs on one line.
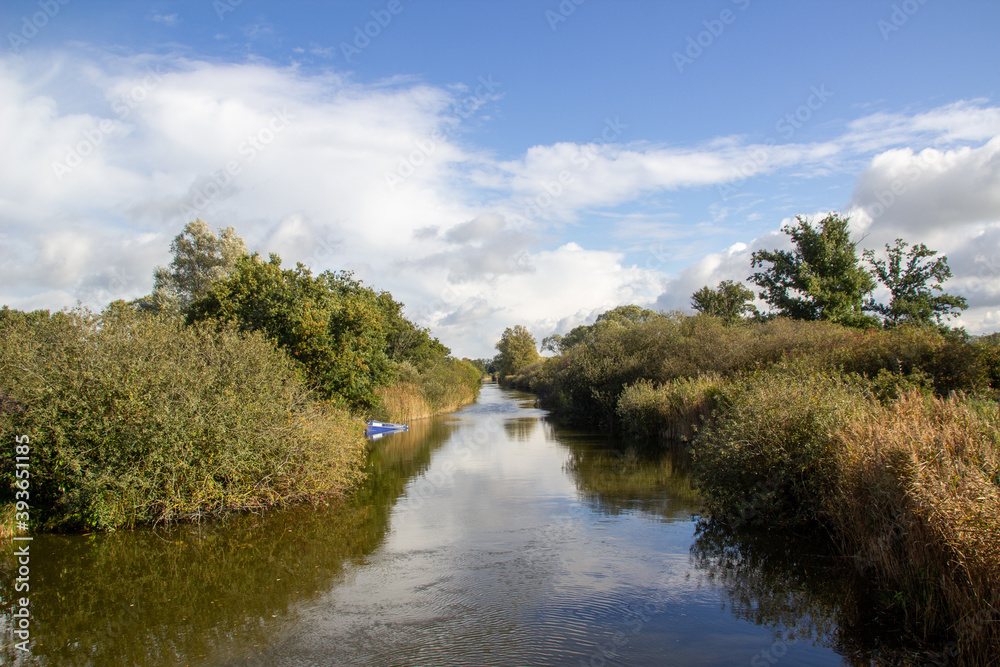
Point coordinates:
[[235, 385]]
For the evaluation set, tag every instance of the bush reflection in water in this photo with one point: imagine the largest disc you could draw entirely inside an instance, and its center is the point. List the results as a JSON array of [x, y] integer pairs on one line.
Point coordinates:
[[201, 594], [797, 586]]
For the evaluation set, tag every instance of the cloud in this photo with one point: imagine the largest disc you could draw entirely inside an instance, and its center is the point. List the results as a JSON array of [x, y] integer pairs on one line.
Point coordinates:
[[917, 192], [169, 20], [114, 155]]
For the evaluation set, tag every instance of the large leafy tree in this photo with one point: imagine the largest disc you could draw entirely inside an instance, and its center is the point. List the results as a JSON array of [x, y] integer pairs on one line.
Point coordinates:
[[405, 340], [517, 349], [909, 276], [201, 257], [731, 301], [820, 278], [331, 323]]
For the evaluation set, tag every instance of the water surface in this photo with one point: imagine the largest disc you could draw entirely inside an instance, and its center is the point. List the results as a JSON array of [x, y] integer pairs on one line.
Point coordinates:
[[486, 537]]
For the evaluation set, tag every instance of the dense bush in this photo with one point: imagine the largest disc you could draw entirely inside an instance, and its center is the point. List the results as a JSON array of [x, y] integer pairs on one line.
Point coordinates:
[[135, 418], [768, 457], [917, 504], [673, 411], [586, 382], [332, 324]]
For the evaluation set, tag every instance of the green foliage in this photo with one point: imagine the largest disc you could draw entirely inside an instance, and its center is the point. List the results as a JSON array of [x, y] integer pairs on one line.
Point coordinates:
[[675, 410], [768, 457], [335, 327], [517, 349], [820, 279], [630, 314], [945, 361], [136, 418], [443, 385], [201, 258], [913, 300], [405, 341], [730, 301]]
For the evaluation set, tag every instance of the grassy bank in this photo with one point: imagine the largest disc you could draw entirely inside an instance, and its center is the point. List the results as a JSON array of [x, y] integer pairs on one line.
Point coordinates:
[[885, 438], [442, 385]]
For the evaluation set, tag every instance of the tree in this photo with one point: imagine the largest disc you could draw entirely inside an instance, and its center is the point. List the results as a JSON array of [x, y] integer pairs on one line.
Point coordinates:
[[820, 279], [630, 314], [913, 300], [200, 259], [517, 349], [730, 301], [330, 323]]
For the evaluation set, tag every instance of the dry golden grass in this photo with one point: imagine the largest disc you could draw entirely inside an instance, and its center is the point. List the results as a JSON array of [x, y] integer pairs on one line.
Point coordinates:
[[402, 402], [919, 505]]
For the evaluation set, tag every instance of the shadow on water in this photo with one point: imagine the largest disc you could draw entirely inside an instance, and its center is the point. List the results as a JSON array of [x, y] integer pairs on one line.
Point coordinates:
[[199, 594]]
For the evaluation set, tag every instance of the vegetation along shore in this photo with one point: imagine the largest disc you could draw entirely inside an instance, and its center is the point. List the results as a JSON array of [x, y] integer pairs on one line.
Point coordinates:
[[873, 422], [235, 385]]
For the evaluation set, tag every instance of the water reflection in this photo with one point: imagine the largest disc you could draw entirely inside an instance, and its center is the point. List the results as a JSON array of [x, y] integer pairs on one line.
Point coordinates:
[[486, 537], [798, 586], [622, 477], [199, 594]]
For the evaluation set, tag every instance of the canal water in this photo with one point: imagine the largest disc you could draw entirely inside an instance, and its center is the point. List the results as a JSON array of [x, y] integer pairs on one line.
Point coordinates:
[[485, 537]]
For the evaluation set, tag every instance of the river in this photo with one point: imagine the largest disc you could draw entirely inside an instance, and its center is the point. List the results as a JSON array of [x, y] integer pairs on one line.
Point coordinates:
[[485, 537]]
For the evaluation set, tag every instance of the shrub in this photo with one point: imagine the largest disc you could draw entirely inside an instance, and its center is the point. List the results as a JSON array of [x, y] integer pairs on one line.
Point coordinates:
[[134, 418], [768, 456], [918, 504], [674, 410]]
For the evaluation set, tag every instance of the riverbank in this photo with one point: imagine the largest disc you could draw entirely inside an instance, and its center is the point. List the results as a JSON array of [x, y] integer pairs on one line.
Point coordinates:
[[440, 388], [128, 418], [886, 439]]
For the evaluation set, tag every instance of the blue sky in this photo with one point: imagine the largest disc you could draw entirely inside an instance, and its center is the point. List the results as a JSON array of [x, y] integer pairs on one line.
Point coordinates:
[[494, 163]]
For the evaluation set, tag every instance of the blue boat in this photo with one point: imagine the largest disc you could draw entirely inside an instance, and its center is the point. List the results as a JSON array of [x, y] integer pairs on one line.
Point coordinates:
[[376, 430]]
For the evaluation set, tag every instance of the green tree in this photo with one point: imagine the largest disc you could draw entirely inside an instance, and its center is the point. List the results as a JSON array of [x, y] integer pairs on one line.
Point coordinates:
[[405, 341], [330, 323], [517, 349], [907, 277], [730, 301], [820, 278], [200, 259], [630, 314], [622, 315]]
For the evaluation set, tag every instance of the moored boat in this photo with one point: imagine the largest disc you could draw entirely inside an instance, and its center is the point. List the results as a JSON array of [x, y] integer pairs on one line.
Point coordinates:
[[377, 429]]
